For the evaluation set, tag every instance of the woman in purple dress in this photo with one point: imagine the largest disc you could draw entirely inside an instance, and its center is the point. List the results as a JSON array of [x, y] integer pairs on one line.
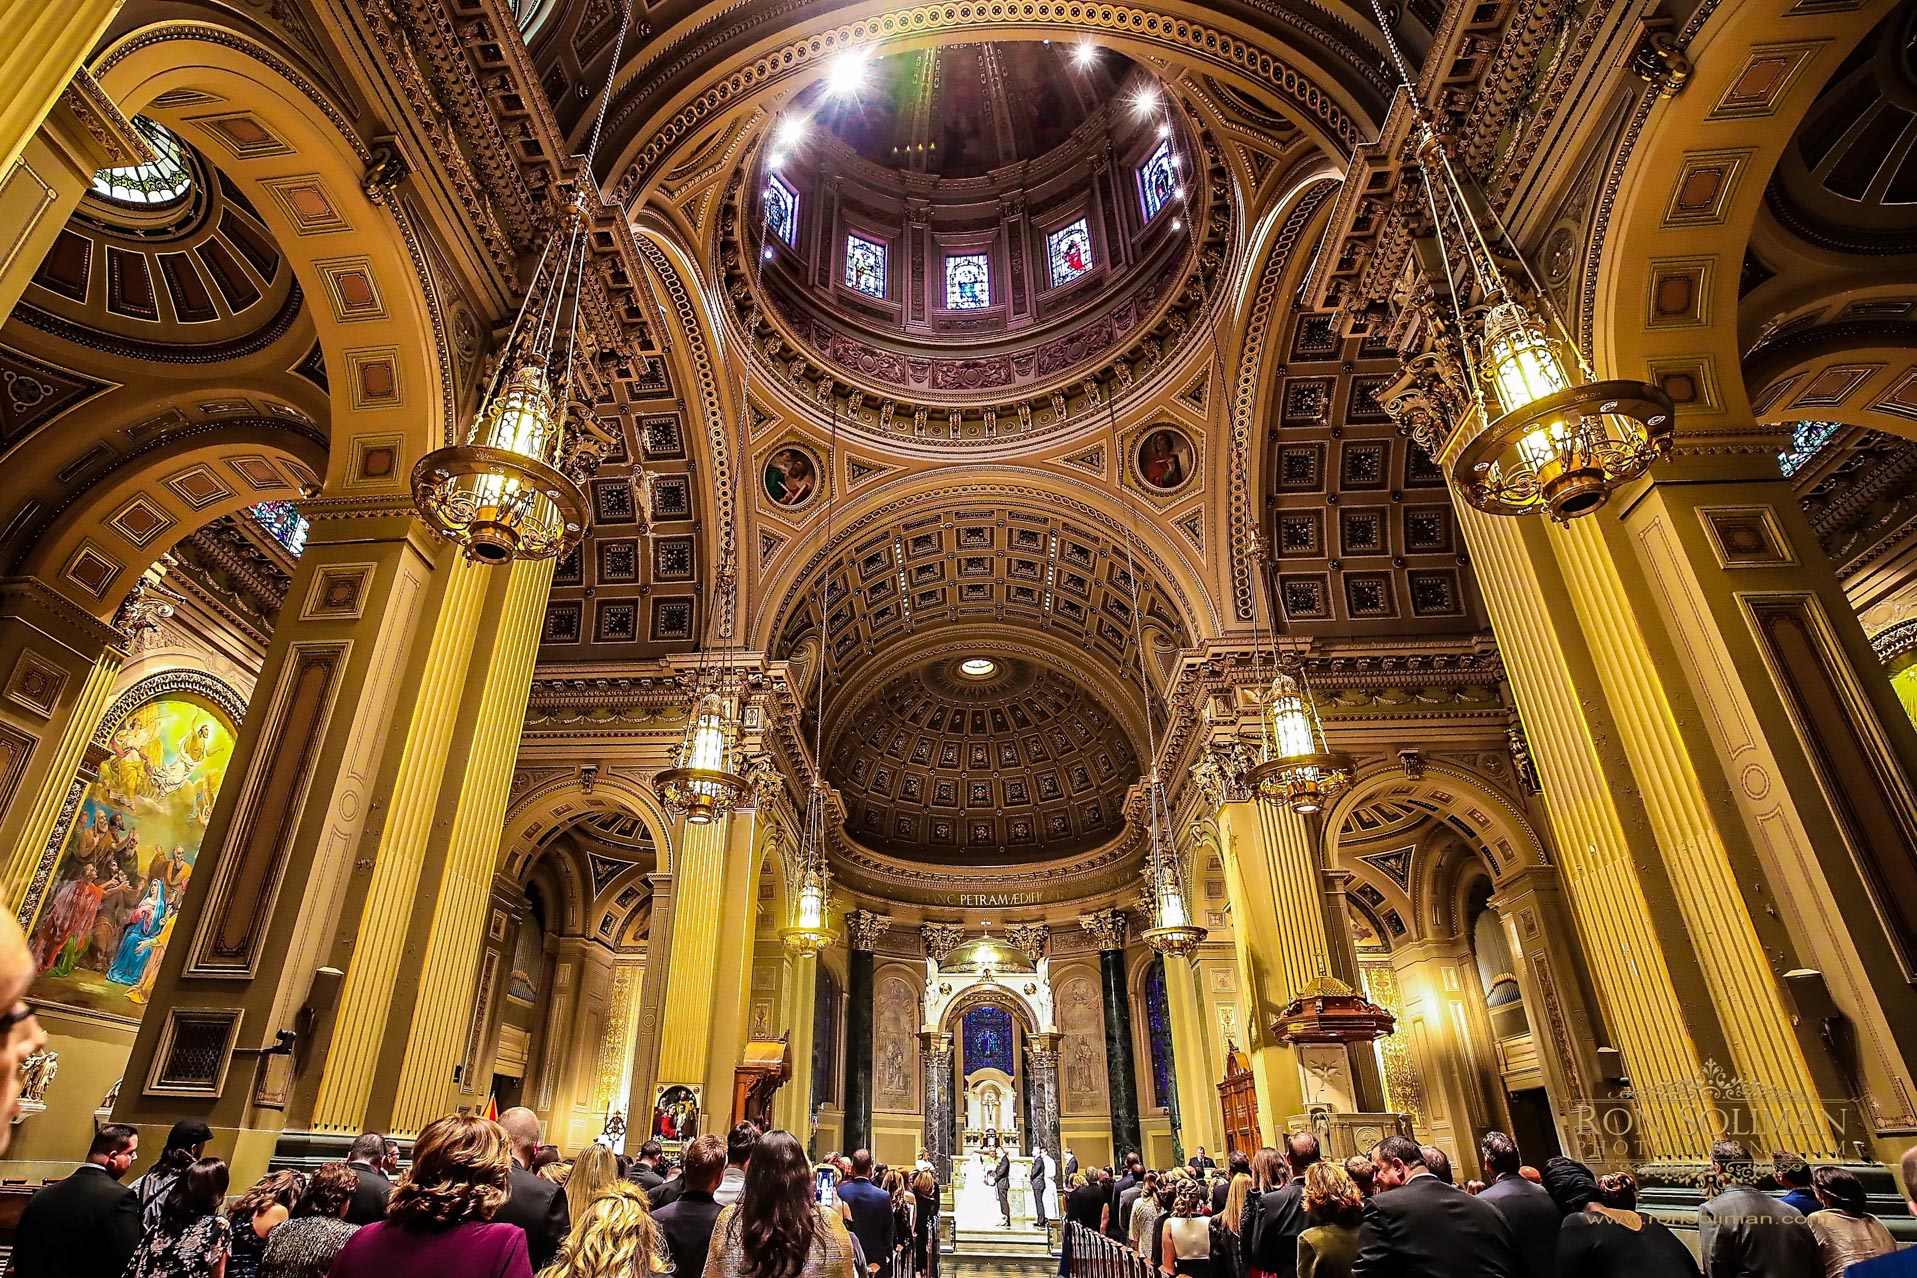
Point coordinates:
[[438, 1221]]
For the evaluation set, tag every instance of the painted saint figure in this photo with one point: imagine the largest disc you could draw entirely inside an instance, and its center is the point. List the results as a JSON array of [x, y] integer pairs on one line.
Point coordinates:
[[143, 927]]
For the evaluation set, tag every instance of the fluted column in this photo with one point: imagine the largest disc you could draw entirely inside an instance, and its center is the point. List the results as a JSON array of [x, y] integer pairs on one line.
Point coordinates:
[[798, 995], [1200, 1120], [713, 903], [862, 930], [41, 46], [935, 1070], [1107, 928], [651, 1010]]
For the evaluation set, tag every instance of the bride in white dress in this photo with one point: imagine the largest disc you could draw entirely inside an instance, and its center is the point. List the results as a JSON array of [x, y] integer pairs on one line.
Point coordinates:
[[977, 1204]]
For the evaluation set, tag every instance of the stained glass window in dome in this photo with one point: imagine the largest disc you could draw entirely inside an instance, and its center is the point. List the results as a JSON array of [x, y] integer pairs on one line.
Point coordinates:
[[865, 265], [782, 210], [1807, 439], [968, 282], [167, 178], [1069, 250], [1158, 1031], [988, 1039], [1157, 180], [283, 520]]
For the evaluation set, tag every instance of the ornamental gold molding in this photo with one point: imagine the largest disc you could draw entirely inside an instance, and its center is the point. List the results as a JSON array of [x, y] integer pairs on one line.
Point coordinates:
[[1106, 927]]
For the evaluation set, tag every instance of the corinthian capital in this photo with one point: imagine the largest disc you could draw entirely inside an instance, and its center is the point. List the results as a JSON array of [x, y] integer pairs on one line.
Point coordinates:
[[862, 929], [1029, 939], [1107, 928], [940, 939]]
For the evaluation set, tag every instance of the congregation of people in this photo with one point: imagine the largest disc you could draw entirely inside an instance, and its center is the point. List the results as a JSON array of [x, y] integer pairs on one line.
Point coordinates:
[[484, 1199], [1398, 1212]]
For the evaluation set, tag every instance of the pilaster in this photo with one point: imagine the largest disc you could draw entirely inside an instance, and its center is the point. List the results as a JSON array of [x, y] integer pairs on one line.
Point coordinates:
[[651, 1010], [1041, 1072], [798, 994], [1200, 1122], [41, 47], [935, 1068]]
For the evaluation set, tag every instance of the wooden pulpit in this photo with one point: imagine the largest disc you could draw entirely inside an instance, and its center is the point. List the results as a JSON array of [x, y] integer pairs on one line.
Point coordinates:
[[1238, 1098], [765, 1069]]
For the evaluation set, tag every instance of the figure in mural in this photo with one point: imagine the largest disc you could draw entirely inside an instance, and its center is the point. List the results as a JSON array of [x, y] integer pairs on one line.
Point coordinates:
[[124, 868], [896, 1080], [1164, 459], [1084, 1073], [790, 477]]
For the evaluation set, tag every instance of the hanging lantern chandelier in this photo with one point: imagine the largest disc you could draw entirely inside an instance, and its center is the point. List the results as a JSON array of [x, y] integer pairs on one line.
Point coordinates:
[[500, 495], [1297, 767], [811, 929], [707, 782], [1547, 435], [1172, 933]]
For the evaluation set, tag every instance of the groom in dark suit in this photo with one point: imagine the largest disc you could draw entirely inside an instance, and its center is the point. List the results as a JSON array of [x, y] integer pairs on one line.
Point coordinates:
[[1001, 1177]]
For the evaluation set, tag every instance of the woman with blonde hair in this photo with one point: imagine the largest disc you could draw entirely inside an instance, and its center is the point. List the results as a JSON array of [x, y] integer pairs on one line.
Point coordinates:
[[1227, 1254], [593, 1173], [1334, 1205], [613, 1234], [439, 1221]]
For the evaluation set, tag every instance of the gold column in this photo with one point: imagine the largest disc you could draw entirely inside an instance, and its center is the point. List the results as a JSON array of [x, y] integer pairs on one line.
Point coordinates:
[[1200, 1120], [41, 45], [798, 993], [649, 1015], [1441, 1023], [709, 961]]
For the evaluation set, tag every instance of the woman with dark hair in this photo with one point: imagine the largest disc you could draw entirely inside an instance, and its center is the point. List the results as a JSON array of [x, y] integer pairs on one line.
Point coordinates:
[[304, 1247], [191, 1239], [439, 1220], [1328, 1246], [184, 1145], [1185, 1237], [1606, 1236], [1846, 1231], [777, 1228], [259, 1210]]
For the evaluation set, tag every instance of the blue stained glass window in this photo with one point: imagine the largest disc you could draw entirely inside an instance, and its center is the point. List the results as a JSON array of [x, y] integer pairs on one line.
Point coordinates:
[[1069, 250], [1806, 439], [1157, 180], [782, 210], [865, 265], [968, 282], [988, 1039], [1158, 1030], [284, 521]]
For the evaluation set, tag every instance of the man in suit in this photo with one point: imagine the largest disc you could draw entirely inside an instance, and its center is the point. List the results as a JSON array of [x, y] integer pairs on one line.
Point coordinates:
[[1201, 1162], [536, 1206], [1419, 1227], [1533, 1217], [1268, 1234], [1000, 1177], [367, 1156], [1745, 1233], [687, 1220], [645, 1173], [1134, 1173], [1071, 1166], [871, 1208], [1042, 1169], [88, 1225], [1221, 1187]]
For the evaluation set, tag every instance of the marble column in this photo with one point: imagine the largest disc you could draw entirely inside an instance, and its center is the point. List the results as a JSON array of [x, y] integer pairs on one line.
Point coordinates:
[[862, 929], [1107, 927], [1041, 1072], [935, 1069]]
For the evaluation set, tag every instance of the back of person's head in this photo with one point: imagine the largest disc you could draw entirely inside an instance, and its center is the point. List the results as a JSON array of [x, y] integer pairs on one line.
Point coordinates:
[[1301, 1151], [1331, 1196], [275, 1189], [1618, 1190], [113, 1139], [1190, 1200], [460, 1172], [557, 1172], [545, 1156], [1570, 1184], [705, 1164], [925, 1184], [1235, 1200], [1238, 1164], [861, 1162], [775, 1219], [593, 1172], [1362, 1174], [183, 1145], [1399, 1149], [199, 1192], [650, 1151], [1907, 1167], [1840, 1189], [742, 1140], [1790, 1169], [521, 1126], [1437, 1162], [1134, 1163], [1267, 1169], [329, 1191], [367, 1147], [1500, 1154], [614, 1234], [1731, 1158]]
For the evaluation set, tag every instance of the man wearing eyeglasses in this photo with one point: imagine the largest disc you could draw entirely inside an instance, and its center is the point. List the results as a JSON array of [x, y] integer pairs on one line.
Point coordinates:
[[87, 1225]]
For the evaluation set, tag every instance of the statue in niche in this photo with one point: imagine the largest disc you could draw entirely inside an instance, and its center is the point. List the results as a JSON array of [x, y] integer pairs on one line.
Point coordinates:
[[990, 1105], [1084, 1078]]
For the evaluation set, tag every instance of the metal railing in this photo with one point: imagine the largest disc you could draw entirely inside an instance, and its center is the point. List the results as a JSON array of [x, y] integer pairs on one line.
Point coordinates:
[[1091, 1254]]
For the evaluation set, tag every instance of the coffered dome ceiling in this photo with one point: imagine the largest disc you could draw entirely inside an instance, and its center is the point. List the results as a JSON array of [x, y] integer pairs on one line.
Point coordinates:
[[1014, 761]]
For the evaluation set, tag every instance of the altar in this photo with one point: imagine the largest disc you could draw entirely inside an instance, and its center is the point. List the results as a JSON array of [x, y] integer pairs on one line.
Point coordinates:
[[975, 1200]]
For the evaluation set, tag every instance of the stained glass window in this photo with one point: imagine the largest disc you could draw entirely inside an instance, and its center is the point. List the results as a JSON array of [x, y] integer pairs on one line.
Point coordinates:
[[1069, 250], [988, 1039], [1157, 180], [284, 521], [782, 210], [1806, 439], [968, 282], [865, 265], [168, 178], [1158, 1031]]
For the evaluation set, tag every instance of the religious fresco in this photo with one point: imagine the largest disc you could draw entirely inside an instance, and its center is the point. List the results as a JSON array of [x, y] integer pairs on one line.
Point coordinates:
[[675, 1112], [895, 1051], [1165, 458], [119, 879], [791, 476], [1081, 1046]]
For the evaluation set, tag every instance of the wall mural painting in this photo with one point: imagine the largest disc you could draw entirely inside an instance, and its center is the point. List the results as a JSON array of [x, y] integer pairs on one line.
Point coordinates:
[[1081, 1065], [791, 476], [895, 1045], [117, 885], [1165, 459]]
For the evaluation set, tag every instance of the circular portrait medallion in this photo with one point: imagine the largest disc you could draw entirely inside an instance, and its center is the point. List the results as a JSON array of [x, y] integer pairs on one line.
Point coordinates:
[[791, 476], [1165, 459]]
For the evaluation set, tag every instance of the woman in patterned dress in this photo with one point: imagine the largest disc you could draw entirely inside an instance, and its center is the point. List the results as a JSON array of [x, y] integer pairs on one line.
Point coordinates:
[[191, 1238], [777, 1229], [259, 1211], [304, 1246]]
